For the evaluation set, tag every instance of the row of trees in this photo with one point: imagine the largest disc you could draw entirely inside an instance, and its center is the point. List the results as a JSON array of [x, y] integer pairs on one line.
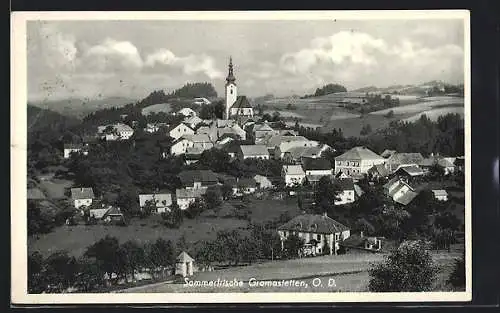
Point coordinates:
[[104, 263]]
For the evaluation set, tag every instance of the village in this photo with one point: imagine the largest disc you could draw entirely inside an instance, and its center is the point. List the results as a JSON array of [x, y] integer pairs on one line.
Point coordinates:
[[388, 190]]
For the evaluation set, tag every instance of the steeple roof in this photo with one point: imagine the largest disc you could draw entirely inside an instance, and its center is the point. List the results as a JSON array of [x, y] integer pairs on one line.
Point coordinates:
[[230, 76]]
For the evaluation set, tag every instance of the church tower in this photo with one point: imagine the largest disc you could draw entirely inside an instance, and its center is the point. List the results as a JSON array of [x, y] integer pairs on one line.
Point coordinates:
[[231, 90]]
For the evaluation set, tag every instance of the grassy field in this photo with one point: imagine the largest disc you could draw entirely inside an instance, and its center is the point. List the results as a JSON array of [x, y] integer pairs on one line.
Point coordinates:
[[346, 273], [263, 210], [54, 188], [75, 239]]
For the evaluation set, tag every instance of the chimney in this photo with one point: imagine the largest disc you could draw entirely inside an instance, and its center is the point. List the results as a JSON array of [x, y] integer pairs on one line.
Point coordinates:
[[361, 234]]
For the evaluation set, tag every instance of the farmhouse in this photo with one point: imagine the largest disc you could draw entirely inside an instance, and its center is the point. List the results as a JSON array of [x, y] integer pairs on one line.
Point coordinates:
[[409, 171], [440, 194], [399, 191], [180, 146], [378, 171], [192, 121], [321, 233], [75, 148], [262, 130], [293, 175], [245, 186], [195, 179], [361, 242], [289, 143], [82, 196], [317, 167], [179, 130], [398, 160], [253, 152], [347, 193], [357, 161], [186, 112], [200, 141], [184, 197], [118, 131], [235, 130], [161, 201]]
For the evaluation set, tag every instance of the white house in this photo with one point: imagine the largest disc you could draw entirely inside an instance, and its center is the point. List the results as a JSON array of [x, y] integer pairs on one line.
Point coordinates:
[[253, 152], [321, 234], [161, 201], [357, 161], [193, 121], [180, 130], [184, 197], [317, 167], [118, 131], [347, 194], [184, 265], [293, 175], [186, 112], [397, 160], [440, 194], [201, 101], [82, 196], [74, 148], [151, 128], [180, 146], [263, 182], [200, 141], [399, 191]]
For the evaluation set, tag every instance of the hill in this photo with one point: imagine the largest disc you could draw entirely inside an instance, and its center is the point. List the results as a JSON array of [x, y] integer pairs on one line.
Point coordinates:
[[81, 107], [42, 119]]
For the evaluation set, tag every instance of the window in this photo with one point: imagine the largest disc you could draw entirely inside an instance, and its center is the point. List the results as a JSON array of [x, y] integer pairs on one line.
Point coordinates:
[[337, 237], [318, 237], [231, 91]]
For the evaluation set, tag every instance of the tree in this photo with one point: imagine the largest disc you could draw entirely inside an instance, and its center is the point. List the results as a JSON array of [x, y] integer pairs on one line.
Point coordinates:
[[195, 208], [227, 191], [212, 198], [325, 194], [174, 217], [293, 245], [367, 129], [106, 253], [133, 256], [160, 254], [457, 276], [90, 275], [60, 271], [36, 281], [409, 268]]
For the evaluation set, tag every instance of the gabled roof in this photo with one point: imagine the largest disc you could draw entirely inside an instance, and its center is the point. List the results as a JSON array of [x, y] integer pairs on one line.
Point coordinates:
[[444, 163], [82, 193], [113, 211], [250, 150], [387, 153], [186, 111], [197, 137], [379, 169], [316, 164], [241, 102], [359, 153], [264, 127], [293, 170], [314, 223], [169, 129], [439, 192], [412, 170], [206, 177], [184, 257], [190, 193], [406, 198], [405, 158], [391, 182]]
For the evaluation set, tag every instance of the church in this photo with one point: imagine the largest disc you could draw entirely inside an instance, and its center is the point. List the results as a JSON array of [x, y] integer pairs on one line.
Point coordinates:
[[236, 107]]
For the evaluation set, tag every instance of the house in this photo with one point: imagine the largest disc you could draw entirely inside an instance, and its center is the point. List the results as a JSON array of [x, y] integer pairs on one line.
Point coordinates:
[[82, 196], [241, 107], [151, 128], [317, 167], [459, 164], [113, 214], [75, 148], [253, 152], [160, 200], [262, 130], [299, 153], [446, 165], [357, 161], [245, 186], [378, 171], [321, 233], [180, 146], [210, 131], [194, 179], [398, 160], [179, 130], [118, 131], [387, 153], [187, 112], [192, 155], [232, 130], [399, 191], [184, 197], [293, 142], [293, 175], [184, 265], [361, 242], [409, 171], [440, 194], [263, 182], [232, 148], [200, 141], [192, 121], [201, 101], [347, 192]]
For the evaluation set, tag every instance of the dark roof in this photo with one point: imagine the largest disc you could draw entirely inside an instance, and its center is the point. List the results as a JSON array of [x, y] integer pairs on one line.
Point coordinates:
[[82, 193], [405, 158], [226, 179], [246, 182], [314, 223], [316, 164], [379, 169], [345, 183], [412, 170], [358, 241], [241, 102], [206, 177]]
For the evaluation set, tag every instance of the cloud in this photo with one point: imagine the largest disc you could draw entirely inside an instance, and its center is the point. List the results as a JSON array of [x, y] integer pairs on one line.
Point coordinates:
[[190, 65], [112, 55]]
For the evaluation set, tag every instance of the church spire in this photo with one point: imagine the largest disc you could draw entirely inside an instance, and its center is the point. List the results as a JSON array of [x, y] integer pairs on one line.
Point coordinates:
[[230, 76]]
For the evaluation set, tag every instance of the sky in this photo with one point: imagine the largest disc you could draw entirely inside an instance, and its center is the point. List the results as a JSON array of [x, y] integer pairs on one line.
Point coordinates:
[[98, 59]]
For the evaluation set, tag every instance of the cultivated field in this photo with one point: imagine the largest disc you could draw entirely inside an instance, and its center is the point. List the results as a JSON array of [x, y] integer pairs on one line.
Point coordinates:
[[157, 108]]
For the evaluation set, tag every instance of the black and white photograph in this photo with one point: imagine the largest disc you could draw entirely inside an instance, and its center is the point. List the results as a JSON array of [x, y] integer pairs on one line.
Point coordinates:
[[197, 157]]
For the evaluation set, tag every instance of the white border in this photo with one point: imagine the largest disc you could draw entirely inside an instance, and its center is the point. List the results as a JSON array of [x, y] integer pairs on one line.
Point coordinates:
[[19, 161]]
